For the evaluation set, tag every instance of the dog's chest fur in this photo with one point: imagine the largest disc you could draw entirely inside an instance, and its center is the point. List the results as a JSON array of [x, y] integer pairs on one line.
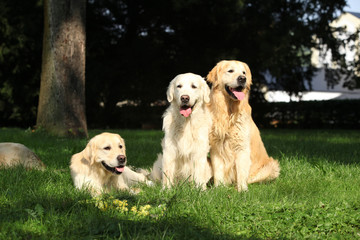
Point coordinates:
[[230, 133], [232, 129], [187, 134]]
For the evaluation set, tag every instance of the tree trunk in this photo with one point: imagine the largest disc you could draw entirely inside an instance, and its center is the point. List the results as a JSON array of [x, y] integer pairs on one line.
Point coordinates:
[[61, 109]]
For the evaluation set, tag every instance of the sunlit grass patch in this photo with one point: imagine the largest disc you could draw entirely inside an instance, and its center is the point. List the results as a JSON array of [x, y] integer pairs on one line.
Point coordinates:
[[316, 196]]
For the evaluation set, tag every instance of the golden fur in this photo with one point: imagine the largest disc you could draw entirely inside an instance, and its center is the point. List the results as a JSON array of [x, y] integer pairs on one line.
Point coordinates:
[[237, 152], [186, 142], [101, 165], [14, 154]]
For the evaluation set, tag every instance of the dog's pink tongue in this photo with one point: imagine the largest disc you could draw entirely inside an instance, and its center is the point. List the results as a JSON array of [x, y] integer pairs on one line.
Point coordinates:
[[239, 95], [120, 169], [185, 112]]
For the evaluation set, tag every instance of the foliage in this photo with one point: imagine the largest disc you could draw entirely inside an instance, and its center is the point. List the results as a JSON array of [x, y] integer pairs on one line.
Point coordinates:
[[315, 197], [145, 44], [274, 36], [331, 114], [135, 47], [20, 59]]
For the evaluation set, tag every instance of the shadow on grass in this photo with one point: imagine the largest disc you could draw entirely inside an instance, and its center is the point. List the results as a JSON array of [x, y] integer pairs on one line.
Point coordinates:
[[64, 219], [44, 205]]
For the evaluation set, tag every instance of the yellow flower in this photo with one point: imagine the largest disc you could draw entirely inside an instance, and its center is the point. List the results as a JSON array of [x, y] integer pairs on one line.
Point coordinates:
[[101, 205], [145, 208], [143, 211], [134, 209]]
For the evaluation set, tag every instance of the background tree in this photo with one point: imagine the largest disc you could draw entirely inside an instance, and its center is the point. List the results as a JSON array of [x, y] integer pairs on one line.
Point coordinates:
[[62, 91]]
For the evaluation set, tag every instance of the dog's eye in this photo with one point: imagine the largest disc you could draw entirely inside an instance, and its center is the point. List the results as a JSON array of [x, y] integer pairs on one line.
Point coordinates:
[[120, 146], [231, 71], [179, 86], [107, 148], [193, 86], [244, 72]]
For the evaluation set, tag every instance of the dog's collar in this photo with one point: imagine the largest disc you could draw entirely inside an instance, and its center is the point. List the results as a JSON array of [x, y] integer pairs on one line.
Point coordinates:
[[111, 169]]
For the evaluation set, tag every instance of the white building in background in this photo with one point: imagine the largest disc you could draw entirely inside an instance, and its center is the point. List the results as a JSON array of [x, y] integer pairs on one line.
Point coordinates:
[[320, 89]]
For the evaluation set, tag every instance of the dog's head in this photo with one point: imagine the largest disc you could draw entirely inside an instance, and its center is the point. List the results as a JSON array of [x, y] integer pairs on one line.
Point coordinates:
[[187, 92], [231, 77], [107, 150]]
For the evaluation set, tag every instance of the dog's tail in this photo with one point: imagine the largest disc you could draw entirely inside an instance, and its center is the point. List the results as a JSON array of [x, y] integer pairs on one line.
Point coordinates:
[[267, 172]]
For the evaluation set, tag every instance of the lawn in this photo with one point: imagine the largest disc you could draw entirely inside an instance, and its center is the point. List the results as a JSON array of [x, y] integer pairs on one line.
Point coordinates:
[[317, 195]]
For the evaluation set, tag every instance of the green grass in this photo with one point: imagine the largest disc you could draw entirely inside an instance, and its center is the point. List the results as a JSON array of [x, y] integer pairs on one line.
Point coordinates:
[[317, 195]]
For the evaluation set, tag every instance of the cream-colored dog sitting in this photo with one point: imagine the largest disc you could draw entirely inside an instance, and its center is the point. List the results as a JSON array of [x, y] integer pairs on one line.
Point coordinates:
[[102, 165], [186, 123], [238, 154]]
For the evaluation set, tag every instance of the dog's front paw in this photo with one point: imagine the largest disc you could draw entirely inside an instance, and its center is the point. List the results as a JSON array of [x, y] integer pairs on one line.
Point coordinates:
[[150, 183], [135, 191], [242, 187], [144, 172]]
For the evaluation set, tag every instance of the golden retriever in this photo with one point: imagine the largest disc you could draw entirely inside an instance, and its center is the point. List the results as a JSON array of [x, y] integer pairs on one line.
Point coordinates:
[[237, 152], [102, 165], [14, 154], [186, 124]]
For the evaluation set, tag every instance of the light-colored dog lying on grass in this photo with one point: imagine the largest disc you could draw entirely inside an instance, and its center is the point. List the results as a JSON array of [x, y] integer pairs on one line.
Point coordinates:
[[16, 154], [101, 166]]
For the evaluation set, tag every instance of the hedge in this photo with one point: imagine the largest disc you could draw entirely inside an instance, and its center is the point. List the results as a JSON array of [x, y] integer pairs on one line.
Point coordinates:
[[341, 114]]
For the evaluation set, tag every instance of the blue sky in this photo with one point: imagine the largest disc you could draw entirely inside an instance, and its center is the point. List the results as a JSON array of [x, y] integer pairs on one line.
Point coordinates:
[[353, 6]]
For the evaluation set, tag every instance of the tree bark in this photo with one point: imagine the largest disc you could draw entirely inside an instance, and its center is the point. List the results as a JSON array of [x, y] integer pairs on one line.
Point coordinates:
[[61, 109]]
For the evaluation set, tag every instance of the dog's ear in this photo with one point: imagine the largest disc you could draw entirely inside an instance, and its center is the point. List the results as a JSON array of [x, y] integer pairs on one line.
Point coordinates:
[[89, 151], [170, 91], [206, 92], [212, 77]]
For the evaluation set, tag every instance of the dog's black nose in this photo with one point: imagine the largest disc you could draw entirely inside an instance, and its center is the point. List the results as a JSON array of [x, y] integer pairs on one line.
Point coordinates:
[[185, 98], [241, 80], [121, 159]]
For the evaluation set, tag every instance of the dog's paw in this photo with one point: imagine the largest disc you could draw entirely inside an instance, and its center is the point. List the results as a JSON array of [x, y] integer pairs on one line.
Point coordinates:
[[145, 172], [135, 191], [150, 183], [242, 187]]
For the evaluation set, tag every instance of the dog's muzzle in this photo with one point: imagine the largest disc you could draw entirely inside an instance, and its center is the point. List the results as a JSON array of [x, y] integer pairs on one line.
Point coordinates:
[[235, 93], [186, 109], [118, 169]]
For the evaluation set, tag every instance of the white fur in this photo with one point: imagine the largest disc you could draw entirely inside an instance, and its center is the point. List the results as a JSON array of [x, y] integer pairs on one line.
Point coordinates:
[[186, 142]]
